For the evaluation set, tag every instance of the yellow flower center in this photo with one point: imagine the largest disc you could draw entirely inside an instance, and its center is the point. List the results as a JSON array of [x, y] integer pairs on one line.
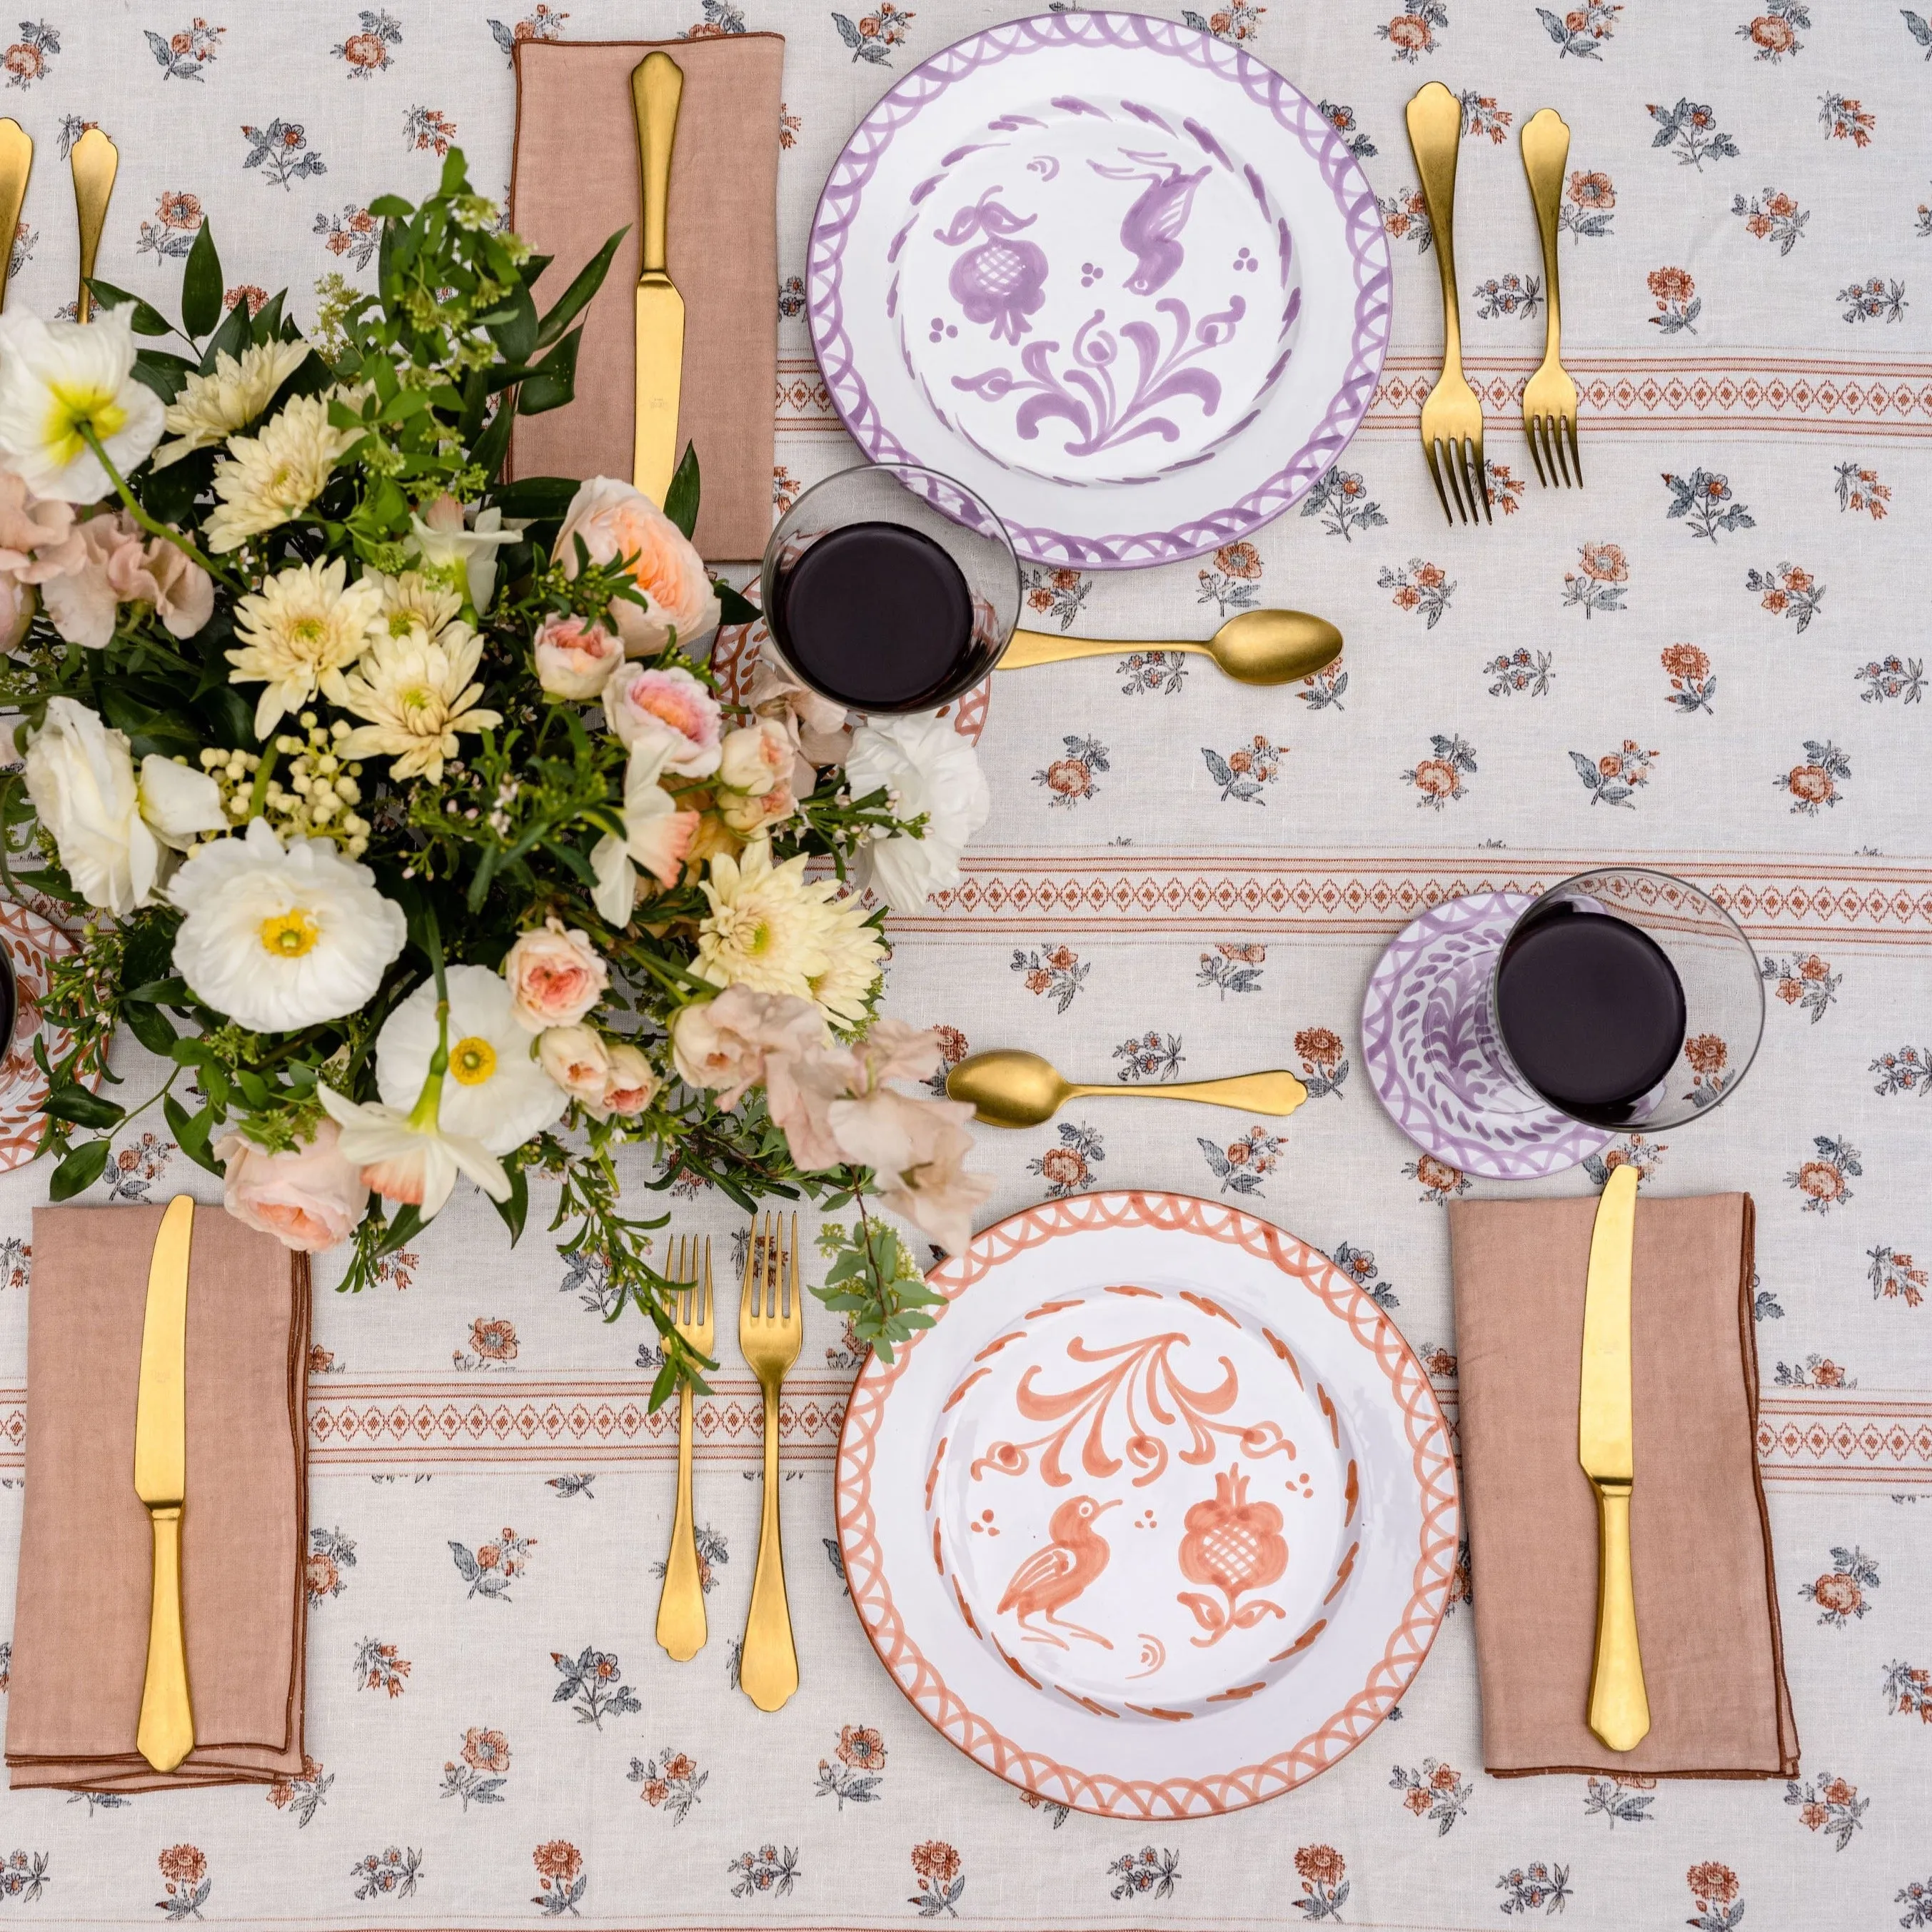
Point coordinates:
[[309, 630], [415, 697], [288, 935], [473, 1061], [70, 409]]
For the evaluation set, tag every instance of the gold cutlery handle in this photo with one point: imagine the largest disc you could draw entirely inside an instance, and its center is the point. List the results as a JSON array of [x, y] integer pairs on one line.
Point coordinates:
[[17, 163], [1435, 118], [166, 1732], [1619, 1707], [1546, 151], [768, 1667], [1028, 648], [681, 1625], [657, 87], [93, 160], [1276, 1092]]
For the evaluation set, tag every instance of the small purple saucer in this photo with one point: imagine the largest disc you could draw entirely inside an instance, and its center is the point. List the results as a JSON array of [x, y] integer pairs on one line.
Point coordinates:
[[1434, 1057]]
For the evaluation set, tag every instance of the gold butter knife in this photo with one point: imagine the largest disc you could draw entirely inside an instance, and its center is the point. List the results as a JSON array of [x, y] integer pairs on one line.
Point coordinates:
[[657, 86], [166, 1733], [1619, 1708], [94, 160], [17, 163]]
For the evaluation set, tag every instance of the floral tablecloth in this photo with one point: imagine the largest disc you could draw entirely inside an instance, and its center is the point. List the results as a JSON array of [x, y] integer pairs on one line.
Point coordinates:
[[1712, 658]]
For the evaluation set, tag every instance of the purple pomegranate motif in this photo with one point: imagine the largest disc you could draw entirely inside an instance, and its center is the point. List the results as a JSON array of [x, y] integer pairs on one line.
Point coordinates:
[[1002, 281], [1151, 230]]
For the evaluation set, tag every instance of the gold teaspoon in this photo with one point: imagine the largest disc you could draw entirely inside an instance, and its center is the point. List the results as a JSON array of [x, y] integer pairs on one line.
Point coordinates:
[[16, 163], [1251, 647], [1010, 1088], [94, 160]]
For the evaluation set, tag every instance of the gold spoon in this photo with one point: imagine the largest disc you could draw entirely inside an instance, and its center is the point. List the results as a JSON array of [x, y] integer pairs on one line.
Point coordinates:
[[1009, 1088], [1251, 647], [16, 163], [93, 160]]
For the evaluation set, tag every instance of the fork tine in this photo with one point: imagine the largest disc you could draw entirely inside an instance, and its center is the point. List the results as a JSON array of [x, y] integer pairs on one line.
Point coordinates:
[[771, 1289], [1575, 454], [1531, 427], [1436, 476], [747, 1297], [1556, 444], [704, 1306], [1445, 454], [795, 1309], [1476, 476]]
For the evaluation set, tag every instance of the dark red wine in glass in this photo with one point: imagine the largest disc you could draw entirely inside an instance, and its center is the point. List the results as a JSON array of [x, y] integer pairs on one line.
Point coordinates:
[[879, 617], [1592, 1011]]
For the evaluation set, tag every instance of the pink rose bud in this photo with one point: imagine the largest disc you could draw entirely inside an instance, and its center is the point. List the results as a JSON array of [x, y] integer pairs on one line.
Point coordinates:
[[629, 1086], [575, 1058], [575, 658]]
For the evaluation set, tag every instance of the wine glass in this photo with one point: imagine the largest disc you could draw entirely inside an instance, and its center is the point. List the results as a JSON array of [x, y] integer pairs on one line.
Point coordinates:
[[890, 588]]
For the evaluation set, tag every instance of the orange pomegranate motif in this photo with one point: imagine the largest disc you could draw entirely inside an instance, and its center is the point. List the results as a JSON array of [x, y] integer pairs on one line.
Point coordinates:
[[1235, 1546]]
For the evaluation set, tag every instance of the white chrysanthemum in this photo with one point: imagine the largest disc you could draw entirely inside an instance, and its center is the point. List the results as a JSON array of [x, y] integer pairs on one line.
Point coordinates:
[[924, 767], [210, 408], [57, 379], [277, 939], [853, 951], [417, 696], [413, 605], [265, 478], [496, 1093], [765, 927], [299, 632]]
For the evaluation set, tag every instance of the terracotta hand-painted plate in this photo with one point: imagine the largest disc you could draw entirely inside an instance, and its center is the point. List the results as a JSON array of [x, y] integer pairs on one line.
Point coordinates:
[[33, 944], [1159, 1518]]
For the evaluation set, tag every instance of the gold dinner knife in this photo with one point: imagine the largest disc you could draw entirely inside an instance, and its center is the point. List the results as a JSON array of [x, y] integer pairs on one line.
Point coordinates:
[[657, 86], [16, 163], [94, 160], [166, 1733], [1619, 1708]]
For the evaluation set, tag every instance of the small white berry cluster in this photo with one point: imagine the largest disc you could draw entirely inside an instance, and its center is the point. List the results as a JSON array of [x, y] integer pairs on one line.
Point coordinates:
[[319, 797]]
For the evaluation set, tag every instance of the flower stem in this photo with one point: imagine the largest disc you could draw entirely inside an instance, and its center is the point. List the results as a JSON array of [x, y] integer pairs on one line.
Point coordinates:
[[184, 544]]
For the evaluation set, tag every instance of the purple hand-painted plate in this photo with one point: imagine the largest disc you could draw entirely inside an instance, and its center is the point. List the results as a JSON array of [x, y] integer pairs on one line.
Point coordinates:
[[1121, 280], [1428, 1042]]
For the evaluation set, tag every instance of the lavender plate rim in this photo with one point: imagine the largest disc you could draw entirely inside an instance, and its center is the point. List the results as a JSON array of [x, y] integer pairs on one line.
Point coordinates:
[[858, 161]]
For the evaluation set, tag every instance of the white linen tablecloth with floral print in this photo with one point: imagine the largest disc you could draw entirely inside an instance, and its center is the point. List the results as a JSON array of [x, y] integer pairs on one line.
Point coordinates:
[[1712, 658]]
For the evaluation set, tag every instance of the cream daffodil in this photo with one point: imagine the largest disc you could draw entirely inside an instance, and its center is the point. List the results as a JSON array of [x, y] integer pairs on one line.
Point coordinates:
[[657, 836], [61, 382], [407, 1156]]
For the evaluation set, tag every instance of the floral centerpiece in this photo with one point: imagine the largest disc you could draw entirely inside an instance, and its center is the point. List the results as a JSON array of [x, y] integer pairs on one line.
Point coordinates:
[[399, 806]]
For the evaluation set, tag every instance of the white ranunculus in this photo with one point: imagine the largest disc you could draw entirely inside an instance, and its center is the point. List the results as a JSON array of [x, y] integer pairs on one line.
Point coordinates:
[[496, 1093], [59, 378], [178, 802], [923, 765], [279, 937], [80, 776]]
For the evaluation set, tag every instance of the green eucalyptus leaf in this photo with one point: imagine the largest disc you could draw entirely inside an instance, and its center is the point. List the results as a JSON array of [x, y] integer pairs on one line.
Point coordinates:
[[75, 1103], [553, 382], [587, 281], [80, 1170], [202, 285], [680, 503], [149, 1025]]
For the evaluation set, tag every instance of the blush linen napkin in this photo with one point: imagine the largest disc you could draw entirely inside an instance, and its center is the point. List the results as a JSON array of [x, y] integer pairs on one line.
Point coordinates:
[[81, 1612], [1706, 1597], [575, 180]]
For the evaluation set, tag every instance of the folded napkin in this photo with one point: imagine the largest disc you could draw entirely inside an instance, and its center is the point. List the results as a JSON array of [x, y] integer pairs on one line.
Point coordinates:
[[575, 180], [1706, 1597], [81, 1612]]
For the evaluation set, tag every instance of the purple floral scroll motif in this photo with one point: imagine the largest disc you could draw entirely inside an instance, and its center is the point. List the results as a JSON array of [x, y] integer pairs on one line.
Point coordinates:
[[1002, 281], [1429, 1045], [1085, 393], [1151, 231]]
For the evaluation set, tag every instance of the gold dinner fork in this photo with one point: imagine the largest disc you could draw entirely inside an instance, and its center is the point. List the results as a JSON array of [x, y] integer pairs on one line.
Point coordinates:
[[1549, 402], [681, 1628], [771, 1329], [1452, 416]]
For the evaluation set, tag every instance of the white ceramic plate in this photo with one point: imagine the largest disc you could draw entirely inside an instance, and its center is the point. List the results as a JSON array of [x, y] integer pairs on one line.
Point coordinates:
[[1160, 1518]]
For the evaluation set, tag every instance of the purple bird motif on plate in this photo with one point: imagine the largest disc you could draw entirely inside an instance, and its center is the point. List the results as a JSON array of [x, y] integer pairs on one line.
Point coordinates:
[[1002, 281], [1151, 231]]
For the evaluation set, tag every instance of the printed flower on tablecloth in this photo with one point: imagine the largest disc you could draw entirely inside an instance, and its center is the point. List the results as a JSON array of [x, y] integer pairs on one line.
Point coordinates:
[[1859, 489], [592, 1684], [1582, 30], [1510, 295], [1438, 778], [1919, 27], [478, 1778], [133, 1169], [184, 1882], [1704, 503], [1240, 20], [789, 127], [872, 39], [1322, 690], [1069, 1167], [714, 1550], [1242, 773], [1070, 778], [300, 1794], [1482, 116], [1423, 586], [1622, 1798], [1916, 1897], [1438, 1361], [169, 237], [1440, 1181], [1774, 33], [1629, 1150], [281, 152], [1406, 217], [1054, 973], [1894, 1277], [1152, 1056], [1875, 299], [768, 1869], [1537, 1887], [1828, 1804], [1844, 120], [561, 1877], [1341, 499], [1693, 683], [545, 23], [253, 293], [1814, 1372], [1232, 582], [935, 1864], [1325, 1064], [1678, 305], [25, 240], [181, 56], [427, 130], [1033, 1801], [1616, 777], [330, 1552], [1244, 1164], [1359, 1265], [852, 1773], [1802, 980], [366, 50], [1907, 1071], [16, 1265], [493, 1567], [1841, 1593], [953, 1047], [391, 1874], [1435, 1791], [1708, 1056], [1909, 1691], [1773, 217], [1323, 1873], [1690, 130], [671, 1782], [355, 233], [1145, 1874], [1601, 581], [1505, 487], [567, 1486], [493, 1345], [26, 61], [1412, 35], [1235, 966], [721, 17], [380, 1666], [1824, 1180], [791, 298], [1149, 672], [1586, 208], [1342, 119], [1520, 670], [1814, 785], [1056, 593]]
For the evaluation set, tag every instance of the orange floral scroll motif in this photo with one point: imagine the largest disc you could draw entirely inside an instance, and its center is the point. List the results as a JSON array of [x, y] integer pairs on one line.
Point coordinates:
[[1153, 1396]]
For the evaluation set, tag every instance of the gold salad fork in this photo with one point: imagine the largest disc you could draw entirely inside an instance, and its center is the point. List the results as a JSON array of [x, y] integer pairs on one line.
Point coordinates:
[[681, 1627], [1549, 402], [1452, 416], [771, 1330]]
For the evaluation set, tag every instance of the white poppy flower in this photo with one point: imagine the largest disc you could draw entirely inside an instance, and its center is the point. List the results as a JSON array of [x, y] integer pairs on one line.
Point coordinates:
[[55, 380], [496, 1094]]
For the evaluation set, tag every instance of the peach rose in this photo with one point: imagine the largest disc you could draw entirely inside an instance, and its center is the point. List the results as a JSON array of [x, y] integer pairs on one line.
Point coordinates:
[[555, 976], [575, 1058], [629, 1085], [575, 657], [722, 1043], [670, 708], [616, 522], [308, 1198]]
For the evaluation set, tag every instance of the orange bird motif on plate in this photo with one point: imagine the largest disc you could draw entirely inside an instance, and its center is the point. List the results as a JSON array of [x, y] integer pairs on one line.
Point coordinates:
[[1236, 1545], [1051, 1577]]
